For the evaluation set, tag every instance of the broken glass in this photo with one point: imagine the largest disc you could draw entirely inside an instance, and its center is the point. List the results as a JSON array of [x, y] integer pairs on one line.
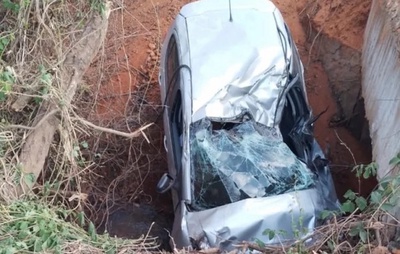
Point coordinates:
[[235, 161]]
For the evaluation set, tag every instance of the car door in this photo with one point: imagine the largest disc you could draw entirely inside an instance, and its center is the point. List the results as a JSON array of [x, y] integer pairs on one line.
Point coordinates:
[[173, 115]]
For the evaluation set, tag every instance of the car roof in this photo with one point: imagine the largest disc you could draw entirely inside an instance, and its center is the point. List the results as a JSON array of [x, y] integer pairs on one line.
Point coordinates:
[[236, 65], [203, 6]]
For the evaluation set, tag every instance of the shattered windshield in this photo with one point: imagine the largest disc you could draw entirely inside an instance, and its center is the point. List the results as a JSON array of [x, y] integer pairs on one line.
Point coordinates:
[[235, 161]]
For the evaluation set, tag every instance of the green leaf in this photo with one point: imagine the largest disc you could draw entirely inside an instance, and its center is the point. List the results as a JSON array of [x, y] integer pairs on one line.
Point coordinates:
[[366, 174], [23, 225], [395, 161], [2, 96], [270, 233], [376, 197], [45, 245], [359, 169], [325, 214], [22, 245], [29, 179], [75, 152], [84, 144], [350, 195], [387, 207], [7, 76], [354, 231], [348, 207], [331, 245], [45, 77], [38, 100], [45, 236], [372, 169], [282, 232], [361, 203], [11, 6], [81, 219], [260, 243], [10, 250], [393, 200], [37, 247], [7, 87], [92, 231], [363, 235], [395, 182]]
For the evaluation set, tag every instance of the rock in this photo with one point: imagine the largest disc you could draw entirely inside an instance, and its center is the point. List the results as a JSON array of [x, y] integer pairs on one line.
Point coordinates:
[[380, 250], [152, 46]]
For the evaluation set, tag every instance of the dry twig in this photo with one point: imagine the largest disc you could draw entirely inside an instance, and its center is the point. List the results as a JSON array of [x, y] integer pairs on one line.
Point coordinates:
[[133, 134]]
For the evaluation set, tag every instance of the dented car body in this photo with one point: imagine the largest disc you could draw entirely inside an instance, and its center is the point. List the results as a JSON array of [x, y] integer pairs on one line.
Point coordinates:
[[242, 157]]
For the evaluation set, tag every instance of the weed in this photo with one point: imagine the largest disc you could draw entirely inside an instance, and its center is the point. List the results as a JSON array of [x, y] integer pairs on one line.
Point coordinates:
[[366, 171], [8, 5], [7, 80], [32, 226], [395, 161], [98, 6], [271, 234], [360, 231], [77, 154], [353, 201], [5, 40], [35, 38]]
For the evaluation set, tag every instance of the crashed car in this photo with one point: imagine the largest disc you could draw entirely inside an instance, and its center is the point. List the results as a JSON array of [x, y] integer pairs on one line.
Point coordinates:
[[242, 158]]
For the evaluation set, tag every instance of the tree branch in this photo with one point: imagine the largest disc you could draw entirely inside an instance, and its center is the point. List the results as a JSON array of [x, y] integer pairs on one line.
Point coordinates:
[[134, 134]]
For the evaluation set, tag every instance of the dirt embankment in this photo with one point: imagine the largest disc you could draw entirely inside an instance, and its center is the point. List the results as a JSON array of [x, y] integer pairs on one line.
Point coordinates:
[[342, 20], [124, 81], [335, 32]]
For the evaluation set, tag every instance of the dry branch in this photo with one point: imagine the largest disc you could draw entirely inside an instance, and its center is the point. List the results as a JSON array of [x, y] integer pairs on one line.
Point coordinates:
[[36, 147], [133, 134]]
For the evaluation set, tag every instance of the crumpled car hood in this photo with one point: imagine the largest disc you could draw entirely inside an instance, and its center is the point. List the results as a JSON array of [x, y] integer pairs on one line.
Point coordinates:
[[250, 218], [239, 65]]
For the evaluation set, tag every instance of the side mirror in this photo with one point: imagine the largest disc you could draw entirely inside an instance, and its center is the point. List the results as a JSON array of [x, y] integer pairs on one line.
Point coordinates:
[[166, 182]]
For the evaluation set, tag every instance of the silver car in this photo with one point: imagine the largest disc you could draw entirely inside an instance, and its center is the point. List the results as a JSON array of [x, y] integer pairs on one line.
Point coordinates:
[[242, 158]]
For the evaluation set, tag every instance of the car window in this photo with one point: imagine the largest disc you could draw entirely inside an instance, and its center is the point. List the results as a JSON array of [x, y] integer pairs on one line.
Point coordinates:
[[176, 126], [172, 62], [240, 161], [174, 101]]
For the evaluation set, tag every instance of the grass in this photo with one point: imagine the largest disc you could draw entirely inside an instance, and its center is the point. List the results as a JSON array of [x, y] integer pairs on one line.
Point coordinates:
[[35, 38], [29, 226]]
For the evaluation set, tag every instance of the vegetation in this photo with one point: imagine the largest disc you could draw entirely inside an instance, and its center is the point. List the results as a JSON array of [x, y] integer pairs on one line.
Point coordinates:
[[32, 226], [45, 47]]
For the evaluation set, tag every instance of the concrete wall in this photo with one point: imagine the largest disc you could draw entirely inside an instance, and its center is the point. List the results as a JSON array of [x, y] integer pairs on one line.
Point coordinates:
[[381, 81]]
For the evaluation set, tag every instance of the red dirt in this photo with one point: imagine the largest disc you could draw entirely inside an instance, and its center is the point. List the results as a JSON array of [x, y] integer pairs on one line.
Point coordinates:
[[126, 75], [342, 19], [135, 36]]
